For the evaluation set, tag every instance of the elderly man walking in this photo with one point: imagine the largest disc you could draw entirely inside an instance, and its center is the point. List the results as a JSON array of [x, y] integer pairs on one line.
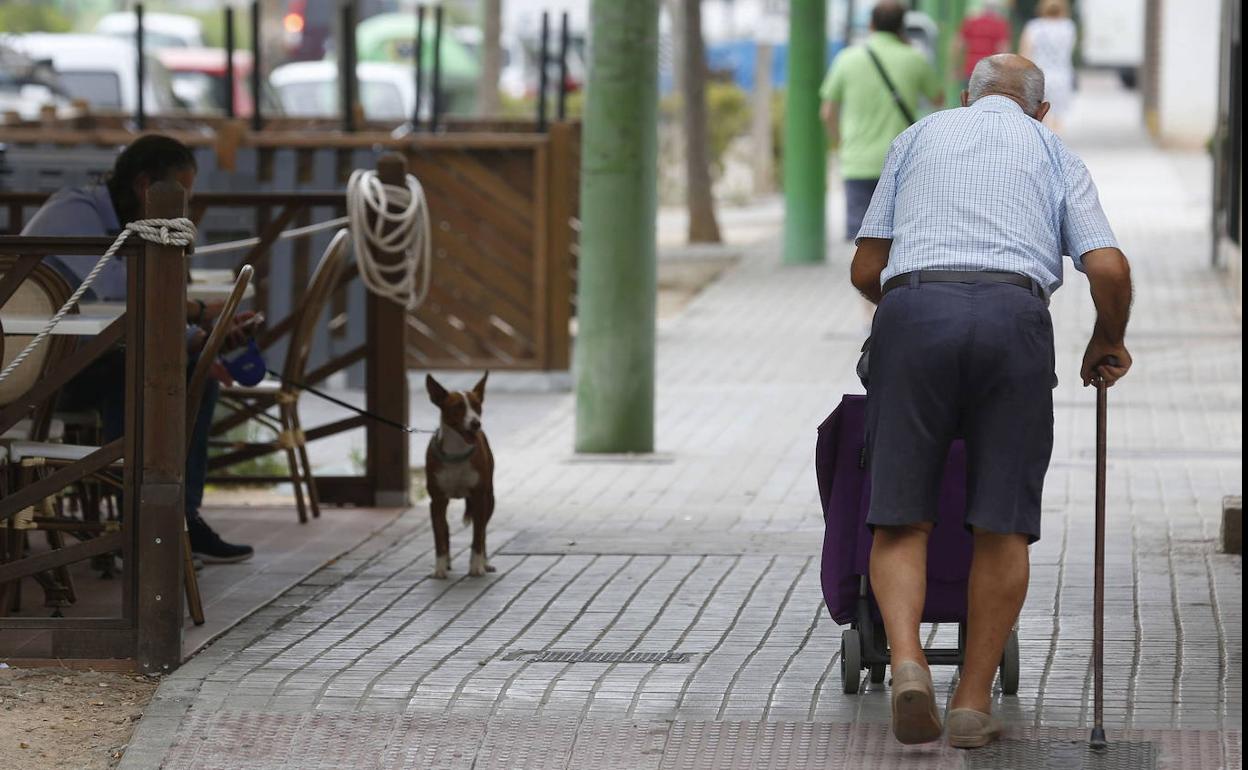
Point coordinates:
[[961, 248]]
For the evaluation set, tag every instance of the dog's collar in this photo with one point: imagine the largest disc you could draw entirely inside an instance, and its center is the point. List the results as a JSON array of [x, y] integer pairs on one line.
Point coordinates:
[[446, 457]]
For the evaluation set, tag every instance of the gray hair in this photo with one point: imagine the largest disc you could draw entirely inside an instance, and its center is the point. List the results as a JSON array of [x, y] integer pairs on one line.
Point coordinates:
[[1008, 75]]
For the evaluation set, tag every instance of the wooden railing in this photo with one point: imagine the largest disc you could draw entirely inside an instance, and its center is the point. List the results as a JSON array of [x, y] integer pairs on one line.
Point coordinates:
[[504, 208], [148, 624]]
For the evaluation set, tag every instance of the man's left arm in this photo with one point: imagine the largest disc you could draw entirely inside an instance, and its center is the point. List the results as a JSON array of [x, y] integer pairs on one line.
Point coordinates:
[[831, 113], [933, 88], [870, 259], [831, 93], [875, 237]]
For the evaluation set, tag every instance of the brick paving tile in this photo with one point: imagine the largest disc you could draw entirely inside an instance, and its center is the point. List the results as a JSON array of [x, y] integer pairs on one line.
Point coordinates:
[[710, 547]]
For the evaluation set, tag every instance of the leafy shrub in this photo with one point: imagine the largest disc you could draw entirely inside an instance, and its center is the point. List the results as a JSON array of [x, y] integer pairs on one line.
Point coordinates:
[[32, 17]]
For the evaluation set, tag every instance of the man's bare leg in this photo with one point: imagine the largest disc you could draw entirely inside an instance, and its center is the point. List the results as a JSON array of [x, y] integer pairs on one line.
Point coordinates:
[[998, 585], [899, 581]]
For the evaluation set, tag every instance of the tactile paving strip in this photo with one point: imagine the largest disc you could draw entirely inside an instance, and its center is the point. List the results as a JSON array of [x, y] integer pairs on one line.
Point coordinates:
[[386, 741], [1063, 755], [592, 656]]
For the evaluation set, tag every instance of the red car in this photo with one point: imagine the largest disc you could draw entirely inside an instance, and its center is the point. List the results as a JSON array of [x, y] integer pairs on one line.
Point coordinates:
[[199, 80]]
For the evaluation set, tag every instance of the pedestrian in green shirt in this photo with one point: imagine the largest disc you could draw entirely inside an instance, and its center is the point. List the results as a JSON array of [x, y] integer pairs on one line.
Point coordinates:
[[869, 100]]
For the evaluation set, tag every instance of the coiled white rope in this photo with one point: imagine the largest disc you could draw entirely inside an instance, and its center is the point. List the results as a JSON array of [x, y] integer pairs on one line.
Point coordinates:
[[294, 232], [405, 230], [166, 232]]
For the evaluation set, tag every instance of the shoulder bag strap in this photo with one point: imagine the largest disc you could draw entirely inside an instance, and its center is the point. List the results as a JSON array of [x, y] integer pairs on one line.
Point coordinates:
[[901, 105]]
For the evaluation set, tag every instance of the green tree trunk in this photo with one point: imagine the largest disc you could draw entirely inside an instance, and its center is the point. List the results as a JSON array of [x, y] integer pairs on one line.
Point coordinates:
[[805, 165], [614, 356]]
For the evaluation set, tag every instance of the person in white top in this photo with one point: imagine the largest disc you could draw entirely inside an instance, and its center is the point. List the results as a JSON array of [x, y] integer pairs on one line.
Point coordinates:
[[1049, 41]]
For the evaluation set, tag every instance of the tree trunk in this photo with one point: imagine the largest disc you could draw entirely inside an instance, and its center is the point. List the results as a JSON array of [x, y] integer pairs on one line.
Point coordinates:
[[764, 160], [491, 59], [702, 225], [675, 41], [615, 285]]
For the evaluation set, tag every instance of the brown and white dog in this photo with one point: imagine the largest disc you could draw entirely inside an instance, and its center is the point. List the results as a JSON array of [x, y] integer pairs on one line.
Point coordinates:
[[459, 464]]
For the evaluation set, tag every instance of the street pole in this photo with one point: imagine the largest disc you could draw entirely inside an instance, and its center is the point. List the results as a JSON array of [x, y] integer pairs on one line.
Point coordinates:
[[614, 356], [805, 165]]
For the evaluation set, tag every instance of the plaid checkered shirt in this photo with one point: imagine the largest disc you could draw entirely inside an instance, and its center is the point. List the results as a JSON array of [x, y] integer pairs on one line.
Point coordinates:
[[985, 187]]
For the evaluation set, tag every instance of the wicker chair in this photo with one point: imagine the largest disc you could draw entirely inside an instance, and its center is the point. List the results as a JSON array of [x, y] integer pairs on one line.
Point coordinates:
[[40, 454], [252, 402], [42, 293]]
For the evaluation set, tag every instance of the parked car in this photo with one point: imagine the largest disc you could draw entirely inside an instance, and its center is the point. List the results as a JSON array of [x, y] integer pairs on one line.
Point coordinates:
[[27, 86], [101, 70], [199, 80], [311, 88], [160, 30], [390, 37], [518, 75]]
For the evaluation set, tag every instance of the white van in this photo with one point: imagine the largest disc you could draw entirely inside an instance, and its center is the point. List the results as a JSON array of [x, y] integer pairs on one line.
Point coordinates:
[[1112, 36], [101, 70], [160, 30]]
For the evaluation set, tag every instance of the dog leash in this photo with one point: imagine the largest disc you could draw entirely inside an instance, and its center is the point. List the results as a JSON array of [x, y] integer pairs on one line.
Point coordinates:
[[349, 407]]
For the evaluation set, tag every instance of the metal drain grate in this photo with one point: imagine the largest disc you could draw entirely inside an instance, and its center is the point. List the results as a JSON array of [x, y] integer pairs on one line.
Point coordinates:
[[1063, 755], [589, 656]]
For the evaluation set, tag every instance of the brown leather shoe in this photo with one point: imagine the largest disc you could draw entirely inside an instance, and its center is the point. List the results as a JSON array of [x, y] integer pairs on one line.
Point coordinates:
[[915, 718], [971, 729]]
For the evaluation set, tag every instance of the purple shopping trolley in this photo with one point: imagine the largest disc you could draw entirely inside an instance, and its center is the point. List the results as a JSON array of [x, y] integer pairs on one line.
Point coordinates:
[[845, 491]]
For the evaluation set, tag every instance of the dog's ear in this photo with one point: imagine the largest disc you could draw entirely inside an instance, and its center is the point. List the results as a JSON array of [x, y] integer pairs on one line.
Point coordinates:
[[479, 389], [437, 393]]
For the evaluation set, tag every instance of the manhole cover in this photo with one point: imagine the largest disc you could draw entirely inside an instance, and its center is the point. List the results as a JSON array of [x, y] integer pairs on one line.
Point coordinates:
[[590, 656], [1053, 754]]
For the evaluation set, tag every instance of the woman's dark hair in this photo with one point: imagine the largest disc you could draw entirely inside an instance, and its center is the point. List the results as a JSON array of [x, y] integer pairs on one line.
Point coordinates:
[[888, 17], [159, 157]]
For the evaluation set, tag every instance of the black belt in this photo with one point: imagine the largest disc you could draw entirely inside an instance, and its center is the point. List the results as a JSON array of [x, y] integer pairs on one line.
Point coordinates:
[[964, 276]]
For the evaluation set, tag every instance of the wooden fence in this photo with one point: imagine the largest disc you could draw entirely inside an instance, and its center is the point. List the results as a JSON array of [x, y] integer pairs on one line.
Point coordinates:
[[504, 207], [148, 625]]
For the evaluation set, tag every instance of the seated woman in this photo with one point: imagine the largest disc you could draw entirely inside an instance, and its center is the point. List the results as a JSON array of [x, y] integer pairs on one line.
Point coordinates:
[[102, 211]]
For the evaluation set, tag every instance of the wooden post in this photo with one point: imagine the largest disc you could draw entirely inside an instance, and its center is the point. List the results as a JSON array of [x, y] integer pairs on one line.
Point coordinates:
[[543, 66], [229, 65], [387, 465], [155, 464], [558, 300], [435, 90], [140, 114], [257, 69], [346, 66]]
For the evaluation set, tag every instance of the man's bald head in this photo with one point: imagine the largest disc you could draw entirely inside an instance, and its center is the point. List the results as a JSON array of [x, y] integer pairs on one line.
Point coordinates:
[[1011, 75]]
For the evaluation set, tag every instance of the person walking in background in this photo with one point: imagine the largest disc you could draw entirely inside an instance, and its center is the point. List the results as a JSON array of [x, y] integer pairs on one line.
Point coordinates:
[[961, 249], [1049, 41], [985, 33], [870, 95]]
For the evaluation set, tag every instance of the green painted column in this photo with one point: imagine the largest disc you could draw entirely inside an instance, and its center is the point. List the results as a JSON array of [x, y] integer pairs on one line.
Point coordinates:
[[805, 160], [614, 356], [948, 15]]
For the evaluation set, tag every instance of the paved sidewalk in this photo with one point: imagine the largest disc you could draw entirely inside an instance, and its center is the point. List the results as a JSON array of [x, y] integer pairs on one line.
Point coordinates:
[[710, 549]]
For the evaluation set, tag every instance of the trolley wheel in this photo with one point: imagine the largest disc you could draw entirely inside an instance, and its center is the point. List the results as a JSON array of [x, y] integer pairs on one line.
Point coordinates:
[[851, 661], [1009, 665], [877, 672]]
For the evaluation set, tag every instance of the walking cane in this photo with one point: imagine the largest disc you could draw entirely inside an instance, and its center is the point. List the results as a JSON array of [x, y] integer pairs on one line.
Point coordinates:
[[1098, 741]]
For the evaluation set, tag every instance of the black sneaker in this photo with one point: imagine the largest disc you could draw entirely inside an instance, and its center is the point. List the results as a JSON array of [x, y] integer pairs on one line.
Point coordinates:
[[209, 546]]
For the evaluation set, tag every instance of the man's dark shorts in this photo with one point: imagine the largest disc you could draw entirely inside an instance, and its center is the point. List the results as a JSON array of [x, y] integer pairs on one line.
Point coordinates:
[[952, 360], [858, 194]]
